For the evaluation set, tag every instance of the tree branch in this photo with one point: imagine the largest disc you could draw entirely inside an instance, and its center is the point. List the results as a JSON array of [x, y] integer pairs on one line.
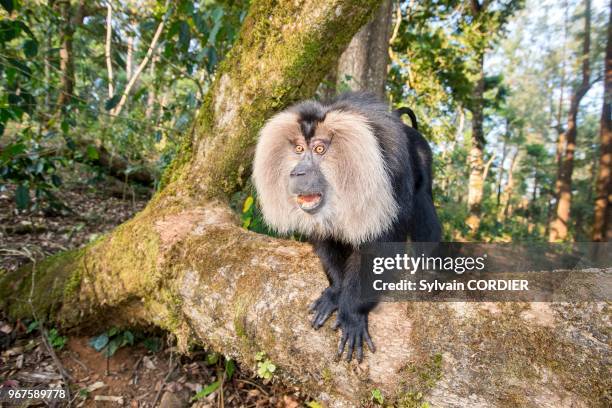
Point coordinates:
[[143, 64]]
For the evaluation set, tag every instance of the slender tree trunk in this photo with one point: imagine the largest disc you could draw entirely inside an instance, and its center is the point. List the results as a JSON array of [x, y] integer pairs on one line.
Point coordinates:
[[363, 65], [130, 56], [476, 154], [559, 226], [500, 175], [602, 224], [152, 91], [67, 29], [107, 49], [132, 80], [509, 190]]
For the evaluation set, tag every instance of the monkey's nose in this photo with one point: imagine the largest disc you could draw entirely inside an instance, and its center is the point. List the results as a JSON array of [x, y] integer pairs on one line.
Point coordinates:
[[297, 172]]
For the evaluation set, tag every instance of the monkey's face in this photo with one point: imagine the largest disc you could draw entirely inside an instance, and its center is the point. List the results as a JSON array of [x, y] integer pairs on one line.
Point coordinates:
[[307, 183], [323, 179]]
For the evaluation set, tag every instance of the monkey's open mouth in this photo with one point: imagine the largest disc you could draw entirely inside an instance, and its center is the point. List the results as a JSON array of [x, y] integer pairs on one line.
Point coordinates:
[[309, 202]]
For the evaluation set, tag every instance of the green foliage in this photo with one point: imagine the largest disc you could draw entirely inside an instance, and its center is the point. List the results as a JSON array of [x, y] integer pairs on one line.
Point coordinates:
[[206, 391], [159, 110], [153, 344], [112, 340], [33, 169], [32, 326], [55, 340], [265, 367], [377, 396], [227, 374]]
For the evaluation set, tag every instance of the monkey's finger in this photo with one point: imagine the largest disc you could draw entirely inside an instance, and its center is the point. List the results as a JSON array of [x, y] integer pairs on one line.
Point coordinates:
[[321, 318], [318, 320], [313, 305], [369, 341], [336, 324], [351, 347], [342, 343], [360, 348]]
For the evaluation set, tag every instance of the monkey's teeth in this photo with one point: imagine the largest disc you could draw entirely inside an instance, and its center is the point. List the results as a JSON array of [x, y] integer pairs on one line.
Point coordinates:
[[308, 201]]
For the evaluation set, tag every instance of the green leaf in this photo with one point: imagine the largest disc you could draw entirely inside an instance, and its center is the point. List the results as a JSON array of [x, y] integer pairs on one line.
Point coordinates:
[[212, 36], [98, 343], [230, 368], [184, 35], [247, 222], [12, 151], [30, 48], [248, 203], [377, 396], [32, 326], [153, 344], [128, 338], [22, 197], [314, 404], [212, 358], [92, 153], [113, 345], [206, 391], [56, 180], [112, 331]]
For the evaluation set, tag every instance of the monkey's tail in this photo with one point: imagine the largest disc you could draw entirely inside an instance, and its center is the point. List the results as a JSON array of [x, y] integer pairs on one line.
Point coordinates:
[[407, 111]]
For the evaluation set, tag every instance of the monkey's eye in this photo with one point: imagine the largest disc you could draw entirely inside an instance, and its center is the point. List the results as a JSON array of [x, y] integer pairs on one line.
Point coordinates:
[[319, 149], [299, 149]]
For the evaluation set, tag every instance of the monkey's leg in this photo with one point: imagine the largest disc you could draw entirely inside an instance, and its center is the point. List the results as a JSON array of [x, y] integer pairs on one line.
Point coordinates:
[[353, 313], [425, 226], [333, 257]]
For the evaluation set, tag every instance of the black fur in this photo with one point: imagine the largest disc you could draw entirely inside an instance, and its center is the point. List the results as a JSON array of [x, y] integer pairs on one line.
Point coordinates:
[[407, 111], [408, 158]]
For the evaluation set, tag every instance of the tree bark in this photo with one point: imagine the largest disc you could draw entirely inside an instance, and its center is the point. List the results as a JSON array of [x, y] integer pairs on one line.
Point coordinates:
[[184, 263], [500, 174], [363, 65], [476, 155], [602, 224], [67, 29], [509, 187], [559, 226], [152, 91]]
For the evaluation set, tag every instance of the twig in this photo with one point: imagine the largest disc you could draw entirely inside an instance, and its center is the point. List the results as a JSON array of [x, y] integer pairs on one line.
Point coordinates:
[[79, 362], [171, 368], [43, 332], [255, 385], [134, 376]]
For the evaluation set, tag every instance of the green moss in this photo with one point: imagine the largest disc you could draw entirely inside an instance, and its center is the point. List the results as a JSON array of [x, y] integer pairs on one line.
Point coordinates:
[[328, 377], [73, 284], [419, 378], [502, 350], [240, 320]]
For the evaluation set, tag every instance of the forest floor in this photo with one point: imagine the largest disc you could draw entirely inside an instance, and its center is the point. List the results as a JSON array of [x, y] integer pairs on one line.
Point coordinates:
[[148, 373]]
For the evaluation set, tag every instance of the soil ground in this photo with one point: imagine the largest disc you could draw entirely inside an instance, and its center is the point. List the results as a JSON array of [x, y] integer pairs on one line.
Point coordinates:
[[148, 373]]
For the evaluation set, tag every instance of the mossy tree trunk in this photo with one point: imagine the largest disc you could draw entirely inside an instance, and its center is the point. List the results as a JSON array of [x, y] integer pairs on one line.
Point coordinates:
[[185, 265]]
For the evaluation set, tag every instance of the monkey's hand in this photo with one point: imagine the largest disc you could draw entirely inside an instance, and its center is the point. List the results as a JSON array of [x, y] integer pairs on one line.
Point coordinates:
[[324, 306], [354, 326]]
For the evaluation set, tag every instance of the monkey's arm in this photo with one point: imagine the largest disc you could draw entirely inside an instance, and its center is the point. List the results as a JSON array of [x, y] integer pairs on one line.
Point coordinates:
[[352, 311], [332, 256]]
